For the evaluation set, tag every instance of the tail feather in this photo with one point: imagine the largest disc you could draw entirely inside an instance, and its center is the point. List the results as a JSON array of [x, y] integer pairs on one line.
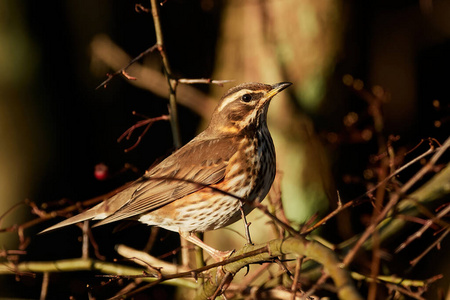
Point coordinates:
[[98, 212], [84, 216]]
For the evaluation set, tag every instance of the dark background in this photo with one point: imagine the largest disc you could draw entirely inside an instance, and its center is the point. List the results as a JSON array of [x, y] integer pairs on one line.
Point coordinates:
[[78, 126]]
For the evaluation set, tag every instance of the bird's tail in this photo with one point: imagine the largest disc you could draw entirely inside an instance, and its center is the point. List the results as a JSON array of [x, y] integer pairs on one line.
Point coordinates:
[[87, 215], [101, 210]]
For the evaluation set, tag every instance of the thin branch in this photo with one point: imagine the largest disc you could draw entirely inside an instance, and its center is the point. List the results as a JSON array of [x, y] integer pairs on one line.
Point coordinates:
[[123, 70], [300, 247], [396, 280], [148, 122], [370, 191], [195, 273], [171, 82], [404, 291], [246, 224], [64, 211], [146, 260], [224, 283], [151, 79], [257, 253], [44, 286], [318, 283], [429, 248], [277, 221], [298, 267], [85, 243], [128, 288], [10, 210], [204, 81], [393, 201], [94, 244], [427, 225], [247, 280], [79, 264]]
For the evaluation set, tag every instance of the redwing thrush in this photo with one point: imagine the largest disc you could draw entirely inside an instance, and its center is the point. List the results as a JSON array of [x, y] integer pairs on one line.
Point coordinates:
[[235, 154]]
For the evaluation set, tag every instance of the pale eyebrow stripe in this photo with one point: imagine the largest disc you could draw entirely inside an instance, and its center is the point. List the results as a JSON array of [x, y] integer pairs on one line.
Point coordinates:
[[232, 97]]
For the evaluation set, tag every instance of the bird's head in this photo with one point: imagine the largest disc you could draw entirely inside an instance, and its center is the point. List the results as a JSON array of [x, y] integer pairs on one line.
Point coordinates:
[[244, 107]]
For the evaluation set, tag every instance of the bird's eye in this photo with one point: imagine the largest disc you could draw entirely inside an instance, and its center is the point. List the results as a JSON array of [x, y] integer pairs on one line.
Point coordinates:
[[246, 97]]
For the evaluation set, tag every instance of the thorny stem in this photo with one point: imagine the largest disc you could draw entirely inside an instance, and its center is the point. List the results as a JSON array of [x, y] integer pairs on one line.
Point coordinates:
[[197, 271], [223, 285], [247, 280], [356, 200], [393, 201], [254, 254]]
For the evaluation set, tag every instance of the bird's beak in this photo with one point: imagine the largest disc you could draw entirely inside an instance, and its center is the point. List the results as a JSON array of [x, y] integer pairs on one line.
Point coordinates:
[[277, 87]]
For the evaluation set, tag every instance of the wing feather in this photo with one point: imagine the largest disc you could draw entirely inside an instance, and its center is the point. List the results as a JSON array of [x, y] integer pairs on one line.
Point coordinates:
[[203, 163]]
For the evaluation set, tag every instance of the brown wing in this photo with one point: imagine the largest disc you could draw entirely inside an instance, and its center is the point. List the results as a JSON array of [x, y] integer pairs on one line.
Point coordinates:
[[186, 171], [198, 163]]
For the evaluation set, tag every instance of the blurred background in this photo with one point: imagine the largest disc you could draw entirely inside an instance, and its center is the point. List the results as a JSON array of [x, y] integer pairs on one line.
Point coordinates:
[[55, 126]]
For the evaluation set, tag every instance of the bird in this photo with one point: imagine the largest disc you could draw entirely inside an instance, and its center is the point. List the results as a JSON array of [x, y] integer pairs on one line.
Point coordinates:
[[207, 183]]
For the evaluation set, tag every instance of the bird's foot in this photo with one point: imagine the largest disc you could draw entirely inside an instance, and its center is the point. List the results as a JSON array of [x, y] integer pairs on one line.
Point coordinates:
[[217, 255], [220, 256]]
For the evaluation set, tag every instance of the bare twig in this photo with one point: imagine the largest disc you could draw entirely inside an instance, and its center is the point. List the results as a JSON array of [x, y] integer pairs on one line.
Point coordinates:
[[140, 8], [173, 111], [123, 70], [318, 283], [298, 267], [251, 277], [374, 265], [151, 79], [85, 243], [285, 226], [226, 279], [44, 286], [10, 210], [394, 200], [79, 264], [203, 81], [146, 260], [128, 288], [246, 225], [151, 239], [148, 122], [62, 212], [434, 244], [427, 225], [370, 191], [168, 71], [196, 272], [283, 267], [404, 291]]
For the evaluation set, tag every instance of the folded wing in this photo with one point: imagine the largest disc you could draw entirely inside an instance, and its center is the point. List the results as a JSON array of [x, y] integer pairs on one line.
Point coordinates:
[[182, 173]]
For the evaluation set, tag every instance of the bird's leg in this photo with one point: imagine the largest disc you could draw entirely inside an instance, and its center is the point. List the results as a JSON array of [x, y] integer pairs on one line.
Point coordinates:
[[217, 255]]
